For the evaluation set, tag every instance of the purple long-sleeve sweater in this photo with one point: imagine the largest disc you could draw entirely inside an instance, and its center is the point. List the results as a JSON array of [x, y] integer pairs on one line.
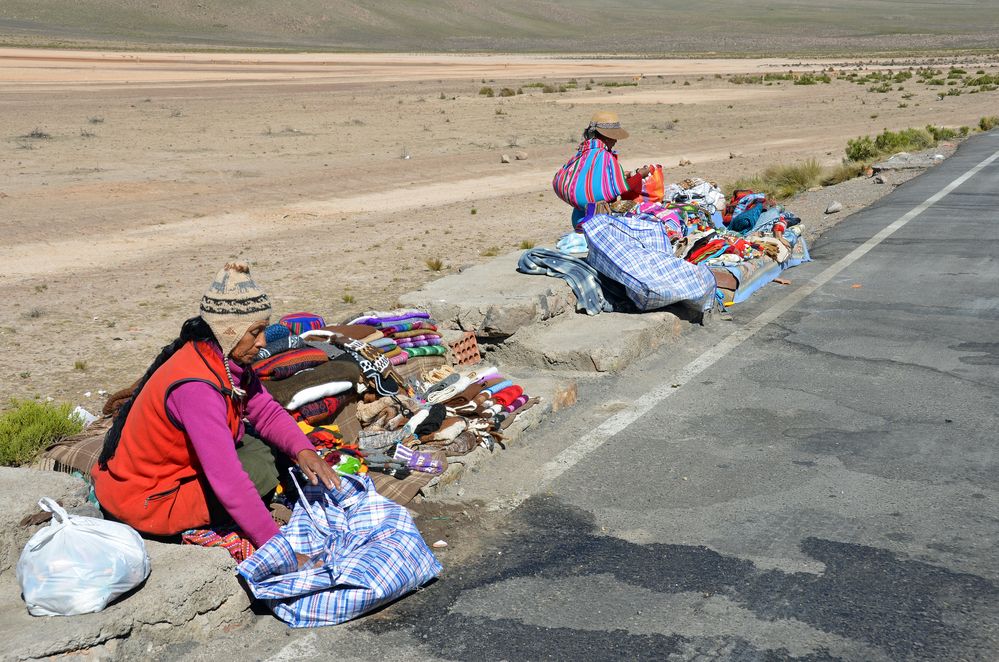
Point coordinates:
[[202, 411]]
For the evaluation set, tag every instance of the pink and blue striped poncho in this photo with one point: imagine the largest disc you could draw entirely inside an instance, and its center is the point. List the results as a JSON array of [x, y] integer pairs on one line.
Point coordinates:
[[592, 175]]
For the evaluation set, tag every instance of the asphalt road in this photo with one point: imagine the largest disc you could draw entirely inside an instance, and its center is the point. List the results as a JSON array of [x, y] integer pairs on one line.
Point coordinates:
[[822, 487]]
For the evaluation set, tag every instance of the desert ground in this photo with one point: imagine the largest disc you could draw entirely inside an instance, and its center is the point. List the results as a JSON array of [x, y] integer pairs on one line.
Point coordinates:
[[129, 179]]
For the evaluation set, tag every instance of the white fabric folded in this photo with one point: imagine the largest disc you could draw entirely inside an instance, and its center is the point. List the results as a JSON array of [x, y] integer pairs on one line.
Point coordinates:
[[317, 392]]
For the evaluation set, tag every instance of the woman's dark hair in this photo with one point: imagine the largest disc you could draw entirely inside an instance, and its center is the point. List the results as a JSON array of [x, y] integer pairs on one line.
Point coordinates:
[[589, 133], [195, 328]]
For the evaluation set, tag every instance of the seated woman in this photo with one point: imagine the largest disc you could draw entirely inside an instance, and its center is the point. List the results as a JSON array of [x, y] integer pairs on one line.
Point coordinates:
[[594, 174], [175, 457]]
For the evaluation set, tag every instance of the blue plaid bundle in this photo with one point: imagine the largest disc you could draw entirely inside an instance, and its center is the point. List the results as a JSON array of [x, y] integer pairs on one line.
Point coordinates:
[[635, 252], [364, 551]]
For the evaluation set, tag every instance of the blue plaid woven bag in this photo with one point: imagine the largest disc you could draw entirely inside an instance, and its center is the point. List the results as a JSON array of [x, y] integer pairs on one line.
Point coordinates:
[[364, 551], [635, 251]]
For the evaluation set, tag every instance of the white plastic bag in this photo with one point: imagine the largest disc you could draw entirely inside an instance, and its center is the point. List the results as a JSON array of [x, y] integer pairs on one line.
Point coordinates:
[[77, 565]]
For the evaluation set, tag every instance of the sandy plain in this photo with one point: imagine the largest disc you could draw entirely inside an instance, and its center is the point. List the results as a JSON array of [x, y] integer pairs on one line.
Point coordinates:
[[339, 176]]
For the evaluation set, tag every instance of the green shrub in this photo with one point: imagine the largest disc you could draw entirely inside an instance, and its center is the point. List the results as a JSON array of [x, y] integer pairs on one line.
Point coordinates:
[[486, 91], [892, 142], [812, 79], [507, 92], [861, 149], [906, 140], [988, 123], [31, 426], [941, 132]]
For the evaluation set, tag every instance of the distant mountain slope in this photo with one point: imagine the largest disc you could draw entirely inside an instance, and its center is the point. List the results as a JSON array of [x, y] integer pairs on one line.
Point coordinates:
[[513, 25]]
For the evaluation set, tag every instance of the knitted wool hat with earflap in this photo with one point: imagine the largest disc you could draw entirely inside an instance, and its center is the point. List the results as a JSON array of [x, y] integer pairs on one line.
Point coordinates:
[[232, 304]]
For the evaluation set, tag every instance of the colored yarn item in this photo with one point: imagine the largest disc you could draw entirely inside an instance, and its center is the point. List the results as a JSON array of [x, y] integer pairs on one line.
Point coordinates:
[[299, 323], [276, 332], [238, 547], [288, 363]]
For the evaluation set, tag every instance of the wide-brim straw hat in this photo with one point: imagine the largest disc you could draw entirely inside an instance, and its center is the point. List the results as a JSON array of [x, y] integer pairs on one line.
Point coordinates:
[[607, 124]]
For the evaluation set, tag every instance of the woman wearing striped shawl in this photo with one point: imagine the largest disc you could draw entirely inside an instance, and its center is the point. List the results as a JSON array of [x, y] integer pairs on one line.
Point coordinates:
[[594, 175]]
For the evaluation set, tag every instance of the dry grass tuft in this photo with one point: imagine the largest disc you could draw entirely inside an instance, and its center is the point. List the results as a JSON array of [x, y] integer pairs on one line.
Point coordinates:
[[783, 181]]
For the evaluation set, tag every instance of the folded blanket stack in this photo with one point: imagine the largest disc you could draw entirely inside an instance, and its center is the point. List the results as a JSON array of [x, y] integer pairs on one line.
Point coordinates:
[[313, 381], [339, 383], [405, 333]]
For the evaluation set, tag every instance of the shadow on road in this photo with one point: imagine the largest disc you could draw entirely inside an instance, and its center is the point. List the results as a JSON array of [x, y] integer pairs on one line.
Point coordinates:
[[907, 609]]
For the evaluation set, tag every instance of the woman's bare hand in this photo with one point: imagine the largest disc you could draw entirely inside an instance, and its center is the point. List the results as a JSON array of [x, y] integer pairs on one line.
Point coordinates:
[[316, 469]]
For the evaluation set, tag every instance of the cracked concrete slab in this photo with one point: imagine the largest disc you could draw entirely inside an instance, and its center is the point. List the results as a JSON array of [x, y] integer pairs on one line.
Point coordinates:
[[604, 343], [492, 300]]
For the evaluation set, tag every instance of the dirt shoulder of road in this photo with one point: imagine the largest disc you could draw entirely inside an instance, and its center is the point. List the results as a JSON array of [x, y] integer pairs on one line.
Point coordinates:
[[132, 177]]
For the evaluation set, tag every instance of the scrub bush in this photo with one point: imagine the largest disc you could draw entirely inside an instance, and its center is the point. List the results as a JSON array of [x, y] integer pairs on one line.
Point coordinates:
[[31, 426], [783, 181], [941, 132], [861, 149], [740, 79], [844, 172], [988, 123], [906, 140], [486, 91], [891, 142]]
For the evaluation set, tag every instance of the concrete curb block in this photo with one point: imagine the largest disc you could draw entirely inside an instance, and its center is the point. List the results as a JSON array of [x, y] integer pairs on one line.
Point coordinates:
[[493, 300], [604, 343], [191, 593]]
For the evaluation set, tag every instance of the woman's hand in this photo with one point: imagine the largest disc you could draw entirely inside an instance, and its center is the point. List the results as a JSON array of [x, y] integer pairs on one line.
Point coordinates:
[[316, 469]]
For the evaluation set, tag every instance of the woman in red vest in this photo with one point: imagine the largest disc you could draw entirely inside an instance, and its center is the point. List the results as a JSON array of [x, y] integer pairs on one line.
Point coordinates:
[[175, 457]]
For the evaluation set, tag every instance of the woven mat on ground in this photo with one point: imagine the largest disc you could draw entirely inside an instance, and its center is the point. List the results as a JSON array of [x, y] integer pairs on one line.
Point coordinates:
[[403, 491], [418, 365], [76, 453], [347, 421]]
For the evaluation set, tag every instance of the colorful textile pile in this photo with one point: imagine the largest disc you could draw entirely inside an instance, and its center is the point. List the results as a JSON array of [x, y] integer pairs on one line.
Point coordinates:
[[405, 334], [299, 323], [339, 382], [743, 244]]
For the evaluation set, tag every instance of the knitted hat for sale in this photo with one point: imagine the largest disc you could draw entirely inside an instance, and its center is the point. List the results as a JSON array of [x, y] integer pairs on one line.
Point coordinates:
[[232, 304]]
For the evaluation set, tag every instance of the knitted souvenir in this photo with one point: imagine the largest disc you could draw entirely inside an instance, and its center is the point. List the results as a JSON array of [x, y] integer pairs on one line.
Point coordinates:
[[301, 322], [276, 332], [275, 347], [288, 363]]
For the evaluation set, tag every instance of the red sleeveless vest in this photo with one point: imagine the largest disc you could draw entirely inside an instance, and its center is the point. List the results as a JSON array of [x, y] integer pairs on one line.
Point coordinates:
[[154, 482]]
